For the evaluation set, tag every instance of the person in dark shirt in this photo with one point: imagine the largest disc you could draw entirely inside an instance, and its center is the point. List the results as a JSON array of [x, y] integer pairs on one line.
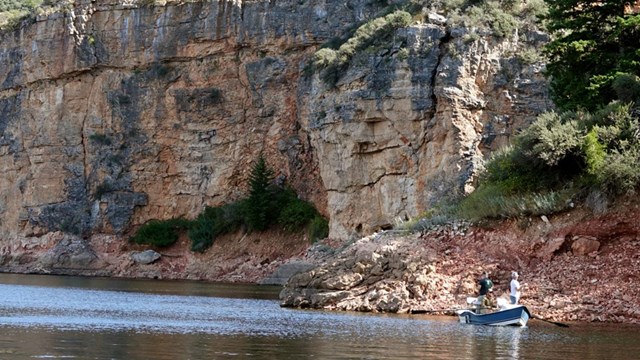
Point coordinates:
[[486, 286]]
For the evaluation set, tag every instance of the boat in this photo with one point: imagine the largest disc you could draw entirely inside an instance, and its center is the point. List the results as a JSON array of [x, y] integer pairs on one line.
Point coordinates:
[[514, 315]]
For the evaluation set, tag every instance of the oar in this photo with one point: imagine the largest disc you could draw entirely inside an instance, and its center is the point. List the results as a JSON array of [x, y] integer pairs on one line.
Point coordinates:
[[549, 321]]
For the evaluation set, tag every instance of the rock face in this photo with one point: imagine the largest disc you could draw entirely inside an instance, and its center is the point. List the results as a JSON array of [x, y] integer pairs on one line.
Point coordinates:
[[394, 137], [70, 253], [113, 114]]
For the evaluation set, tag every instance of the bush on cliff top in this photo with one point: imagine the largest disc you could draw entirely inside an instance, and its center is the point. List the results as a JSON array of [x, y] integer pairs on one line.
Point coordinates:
[[12, 12], [8, 5]]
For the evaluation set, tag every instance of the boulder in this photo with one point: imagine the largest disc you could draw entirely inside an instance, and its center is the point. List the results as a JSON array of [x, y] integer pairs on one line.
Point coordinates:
[[437, 19], [585, 245], [550, 247], [286, 271], [145, 257]]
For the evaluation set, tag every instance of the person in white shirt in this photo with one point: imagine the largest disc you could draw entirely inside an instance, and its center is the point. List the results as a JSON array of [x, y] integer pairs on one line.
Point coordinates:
[[514, 296]]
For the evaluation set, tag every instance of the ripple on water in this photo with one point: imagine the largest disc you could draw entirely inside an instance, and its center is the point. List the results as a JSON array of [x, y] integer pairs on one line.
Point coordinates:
[[109, 322]]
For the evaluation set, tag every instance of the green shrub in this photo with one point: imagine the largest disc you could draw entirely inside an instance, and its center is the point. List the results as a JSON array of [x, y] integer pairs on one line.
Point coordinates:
[[599, 150], [12, 9], [265, 205], [502, 23], [552, 138], [296, 214], [215, 221], [627, 88], [551, 163], [376, 31], [160, 233], [403, 54], [292, 212], [534, 9], [529, 56], [514, 171], [11, 19], [324, 57], [500, 18], [8, 5], [318, 228], [620, 173], [491, 201], [201, 235]]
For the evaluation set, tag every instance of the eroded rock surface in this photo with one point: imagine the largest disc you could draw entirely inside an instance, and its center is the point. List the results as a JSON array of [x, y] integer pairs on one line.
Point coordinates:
[[114, 114]]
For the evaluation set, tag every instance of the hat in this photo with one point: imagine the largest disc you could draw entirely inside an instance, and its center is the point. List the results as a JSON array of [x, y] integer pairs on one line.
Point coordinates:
[[514, 274]]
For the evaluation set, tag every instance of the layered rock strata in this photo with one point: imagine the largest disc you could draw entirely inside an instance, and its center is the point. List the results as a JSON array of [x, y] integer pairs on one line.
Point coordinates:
[[112, 114]]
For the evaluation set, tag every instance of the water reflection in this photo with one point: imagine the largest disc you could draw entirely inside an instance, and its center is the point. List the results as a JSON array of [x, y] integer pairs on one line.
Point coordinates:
[[514, 344], [66, 317]]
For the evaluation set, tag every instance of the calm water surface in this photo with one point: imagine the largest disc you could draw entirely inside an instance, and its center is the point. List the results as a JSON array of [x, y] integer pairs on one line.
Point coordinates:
[[51, 317]]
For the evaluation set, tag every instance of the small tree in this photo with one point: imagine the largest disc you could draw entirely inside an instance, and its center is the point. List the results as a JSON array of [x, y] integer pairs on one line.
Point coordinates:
[[258, 204]]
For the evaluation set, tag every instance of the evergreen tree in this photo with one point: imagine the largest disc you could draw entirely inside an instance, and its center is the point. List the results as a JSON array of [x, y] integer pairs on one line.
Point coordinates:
[[595, 41], [258, 204]]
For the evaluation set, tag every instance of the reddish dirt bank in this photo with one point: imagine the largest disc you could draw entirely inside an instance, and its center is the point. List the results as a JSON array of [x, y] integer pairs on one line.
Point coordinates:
[[576, 269], [233, 258]]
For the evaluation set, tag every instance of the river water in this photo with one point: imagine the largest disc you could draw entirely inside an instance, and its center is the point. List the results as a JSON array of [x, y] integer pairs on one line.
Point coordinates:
[[54, 317]]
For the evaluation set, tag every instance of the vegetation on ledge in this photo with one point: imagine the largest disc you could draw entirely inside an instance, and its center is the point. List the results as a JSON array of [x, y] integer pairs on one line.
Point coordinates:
[[266, 206], [12, 11]]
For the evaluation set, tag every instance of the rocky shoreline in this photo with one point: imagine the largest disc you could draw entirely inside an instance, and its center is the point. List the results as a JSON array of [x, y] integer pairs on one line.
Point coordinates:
[[578, 267]]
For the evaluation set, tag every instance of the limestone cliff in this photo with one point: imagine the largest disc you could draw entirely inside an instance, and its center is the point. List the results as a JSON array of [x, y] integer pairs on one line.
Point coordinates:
[[112, 114]]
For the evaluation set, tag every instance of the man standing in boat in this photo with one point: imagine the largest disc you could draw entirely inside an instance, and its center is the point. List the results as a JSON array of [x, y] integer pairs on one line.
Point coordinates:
[[515, 286], [486, 286]]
